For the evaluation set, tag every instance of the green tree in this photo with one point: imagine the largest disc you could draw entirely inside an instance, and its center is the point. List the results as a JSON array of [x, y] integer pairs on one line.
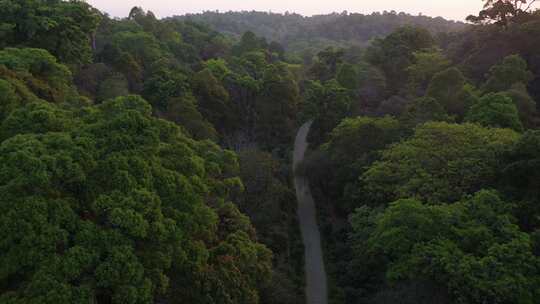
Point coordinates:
[[472, 248], [147, 20], [450, 89], [422, 110], [184, 112], [327, 63], [218, 67], [111, 205], [394, 106], [213, 100], [134, 52], [64, 28], [244, 91], [372, 87], [347, 77], [249, 42], [277, 50], [169, 92], [511, 71], [115, 85], [525, 104], [353, 146], [440, 163], [35, 73], [276, 107], [394, 53], [520, 179], [495, 110], [425, 66], [9, 99], [327, 104], [35, 118]]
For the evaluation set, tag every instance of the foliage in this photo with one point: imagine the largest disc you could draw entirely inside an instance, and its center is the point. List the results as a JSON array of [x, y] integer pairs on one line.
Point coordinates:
[[102, 201], [425, 66], [495, 110], [373, 85], [352, 146], [394, 106], [327, 63], [124, 203], [472, 248], [213, 98], [422, 110], [441, 163], [394, 53], [450, 89], [277, 106], [520, 179], [64, 28], [327, 104], [300, 34], [347, 77], [511, 71], [34, 73], [525, 104]]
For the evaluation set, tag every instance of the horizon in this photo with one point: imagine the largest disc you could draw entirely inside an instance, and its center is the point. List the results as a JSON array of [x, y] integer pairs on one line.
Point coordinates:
[[456, 10]]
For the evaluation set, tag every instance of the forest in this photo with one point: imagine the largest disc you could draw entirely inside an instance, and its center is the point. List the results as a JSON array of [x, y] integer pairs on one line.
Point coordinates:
[[303, 37], [147, 160]]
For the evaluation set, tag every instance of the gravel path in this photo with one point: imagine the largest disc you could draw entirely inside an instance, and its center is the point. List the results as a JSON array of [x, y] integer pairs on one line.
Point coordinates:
[[316, 289]]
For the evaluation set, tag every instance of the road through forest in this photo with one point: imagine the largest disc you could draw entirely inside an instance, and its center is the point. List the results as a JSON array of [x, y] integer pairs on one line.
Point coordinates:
[[316, 289]]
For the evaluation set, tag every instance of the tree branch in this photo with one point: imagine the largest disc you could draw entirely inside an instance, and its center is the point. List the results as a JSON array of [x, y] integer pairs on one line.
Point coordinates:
[[530, 5]]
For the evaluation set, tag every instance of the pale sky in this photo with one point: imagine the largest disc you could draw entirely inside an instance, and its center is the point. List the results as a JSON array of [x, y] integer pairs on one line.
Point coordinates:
[[450, 9]]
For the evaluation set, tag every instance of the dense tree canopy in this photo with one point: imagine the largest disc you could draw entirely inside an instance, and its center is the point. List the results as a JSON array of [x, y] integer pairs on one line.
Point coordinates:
[[327, 104], [470, 249], [450, 89], [64, 28], [301, 35], [512, 70], [394, 53], [425, 66], [147, 160], [495, 110], [34, 73], [440, 163], [115, 202]]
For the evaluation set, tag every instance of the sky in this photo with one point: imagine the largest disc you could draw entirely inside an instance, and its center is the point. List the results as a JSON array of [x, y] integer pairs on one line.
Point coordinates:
[[449, 9]]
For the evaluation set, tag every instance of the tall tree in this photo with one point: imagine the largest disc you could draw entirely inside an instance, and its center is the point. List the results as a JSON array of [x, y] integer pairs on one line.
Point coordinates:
[[425, 66], [327, 104], [422, 110], [520, 179], [440, 163], [277, 106], [394, 53], [213, 100], [327, 64], [495, 110], [64, 28], [512, 70], [468, 251], [451, 90], [112, 205], [502, 12], [525, 104]]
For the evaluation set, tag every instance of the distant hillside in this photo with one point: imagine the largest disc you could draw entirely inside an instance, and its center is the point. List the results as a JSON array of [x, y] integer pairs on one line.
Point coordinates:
[[298, 33]]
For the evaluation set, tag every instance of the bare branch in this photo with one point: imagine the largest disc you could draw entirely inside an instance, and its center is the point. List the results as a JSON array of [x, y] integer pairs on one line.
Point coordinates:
[[530, 5]]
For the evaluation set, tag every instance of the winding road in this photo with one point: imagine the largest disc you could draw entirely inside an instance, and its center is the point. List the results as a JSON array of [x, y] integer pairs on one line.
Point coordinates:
[[316, 288]]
